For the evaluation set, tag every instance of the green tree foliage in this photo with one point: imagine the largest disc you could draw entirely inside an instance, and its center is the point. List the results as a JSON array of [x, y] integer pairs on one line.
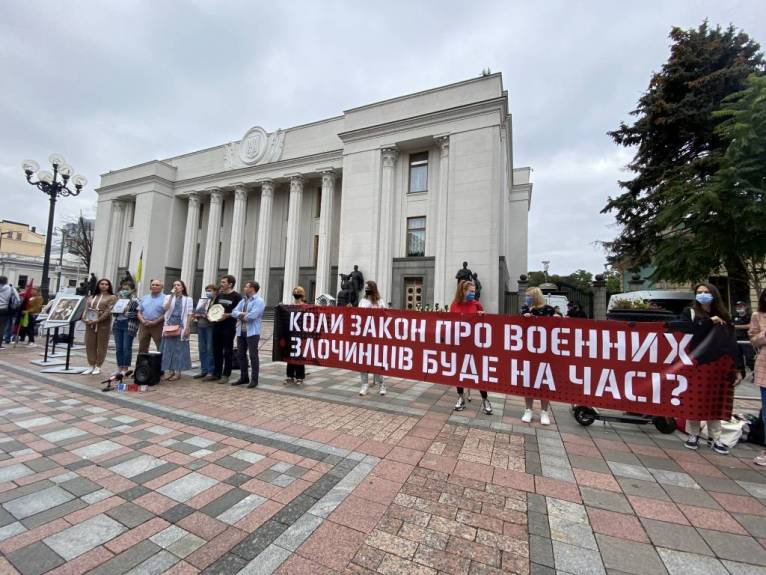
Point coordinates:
[[737, 190], [678, 151], [613, 280], [581, 279]]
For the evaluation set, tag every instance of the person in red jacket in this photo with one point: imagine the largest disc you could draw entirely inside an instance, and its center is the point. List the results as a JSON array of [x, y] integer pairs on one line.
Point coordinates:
[[465, 302]]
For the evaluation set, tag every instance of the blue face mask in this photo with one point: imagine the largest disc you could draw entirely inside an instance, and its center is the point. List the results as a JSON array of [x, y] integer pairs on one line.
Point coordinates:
[[209, 294], [470, 296], [530, 300], [704, 298]]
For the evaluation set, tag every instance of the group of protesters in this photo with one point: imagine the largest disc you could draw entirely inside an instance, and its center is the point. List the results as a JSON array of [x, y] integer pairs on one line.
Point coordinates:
[[18, 313], [169, 319]]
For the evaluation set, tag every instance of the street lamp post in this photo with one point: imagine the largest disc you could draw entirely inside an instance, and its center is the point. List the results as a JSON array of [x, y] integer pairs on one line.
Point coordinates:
[[50, 185], [61, 258]]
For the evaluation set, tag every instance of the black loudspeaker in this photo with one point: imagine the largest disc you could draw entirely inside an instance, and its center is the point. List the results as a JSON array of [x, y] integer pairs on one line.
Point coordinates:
[[148, 368]]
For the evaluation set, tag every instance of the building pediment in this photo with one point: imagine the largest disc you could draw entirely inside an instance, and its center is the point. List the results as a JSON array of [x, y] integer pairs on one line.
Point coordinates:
[[256, 147]]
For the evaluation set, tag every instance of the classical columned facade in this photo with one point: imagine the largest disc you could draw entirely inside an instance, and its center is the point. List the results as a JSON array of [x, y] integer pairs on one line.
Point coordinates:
[[191, 233], [324, 251], [405, 189], [263, 242]]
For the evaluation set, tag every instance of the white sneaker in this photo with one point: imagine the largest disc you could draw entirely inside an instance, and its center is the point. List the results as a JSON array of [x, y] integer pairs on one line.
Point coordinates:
[[545, 418], [527, 417], [460, 405], [382, 389], [486, 406], [96, 371], [89, 370], [363, 390]]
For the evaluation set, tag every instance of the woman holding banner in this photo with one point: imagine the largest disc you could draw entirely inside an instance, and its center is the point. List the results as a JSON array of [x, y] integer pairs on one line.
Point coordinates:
[[465, 302], [535, 306], [371, 299], [708, 314], [296, 372], [757, 333]]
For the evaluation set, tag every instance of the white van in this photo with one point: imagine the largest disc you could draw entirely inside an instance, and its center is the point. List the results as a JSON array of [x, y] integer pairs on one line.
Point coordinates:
[[559, 300], [672, 300]]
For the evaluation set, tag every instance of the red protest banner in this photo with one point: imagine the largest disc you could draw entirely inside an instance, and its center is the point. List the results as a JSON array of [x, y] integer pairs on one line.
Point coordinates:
[[642, 368]]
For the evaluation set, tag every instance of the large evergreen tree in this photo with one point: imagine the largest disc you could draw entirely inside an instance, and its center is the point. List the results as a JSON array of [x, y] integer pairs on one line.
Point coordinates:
[[738, 188], [678, 151]]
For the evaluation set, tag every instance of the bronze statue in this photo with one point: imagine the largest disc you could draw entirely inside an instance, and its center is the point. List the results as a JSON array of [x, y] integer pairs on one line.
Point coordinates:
[[477, 283], [357, 279], [464, 274], [348, 293]]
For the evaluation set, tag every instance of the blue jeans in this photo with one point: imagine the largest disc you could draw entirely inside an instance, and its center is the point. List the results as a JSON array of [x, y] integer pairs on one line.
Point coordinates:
[[123, 343], [205, 341], [8, 328], [763, 403]]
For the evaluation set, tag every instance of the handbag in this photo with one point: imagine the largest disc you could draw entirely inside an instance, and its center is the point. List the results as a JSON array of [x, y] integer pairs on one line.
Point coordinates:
[[171, 330]]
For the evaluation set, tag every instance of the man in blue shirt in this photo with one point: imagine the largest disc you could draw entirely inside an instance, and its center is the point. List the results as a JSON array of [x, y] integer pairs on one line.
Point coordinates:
[[151, 316], [249, 313]]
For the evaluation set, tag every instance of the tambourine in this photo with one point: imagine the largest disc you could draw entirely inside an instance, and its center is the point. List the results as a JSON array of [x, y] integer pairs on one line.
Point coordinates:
[[215, 313]]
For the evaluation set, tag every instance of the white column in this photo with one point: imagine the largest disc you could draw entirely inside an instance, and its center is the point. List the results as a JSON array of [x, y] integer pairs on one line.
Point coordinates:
[[188, 261], [442, 289], [325, 232], [293, 237], [386, 216], [210, 267], [263, 241], [115, 240], [238, 232]]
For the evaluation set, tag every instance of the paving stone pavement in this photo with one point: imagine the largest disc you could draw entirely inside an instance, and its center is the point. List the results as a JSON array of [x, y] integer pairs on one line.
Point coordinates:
[[206, 478]]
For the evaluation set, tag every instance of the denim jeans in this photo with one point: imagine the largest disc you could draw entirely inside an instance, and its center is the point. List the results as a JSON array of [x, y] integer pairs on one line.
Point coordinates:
[[123, 343], [205, 341], [763, 403]]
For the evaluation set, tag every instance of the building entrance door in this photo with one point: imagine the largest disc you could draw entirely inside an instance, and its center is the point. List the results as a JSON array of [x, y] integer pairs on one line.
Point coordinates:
[[413, 293]]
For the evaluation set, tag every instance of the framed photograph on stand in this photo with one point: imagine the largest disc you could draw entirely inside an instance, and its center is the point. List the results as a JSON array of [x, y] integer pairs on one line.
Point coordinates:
[[65, 309]]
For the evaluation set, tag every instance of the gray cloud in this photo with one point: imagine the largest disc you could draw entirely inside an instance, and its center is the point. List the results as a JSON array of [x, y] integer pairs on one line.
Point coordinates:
[[113, 83]]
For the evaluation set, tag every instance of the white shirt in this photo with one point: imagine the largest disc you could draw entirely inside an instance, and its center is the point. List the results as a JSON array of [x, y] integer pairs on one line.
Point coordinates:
[[6, 292], [367, 303]]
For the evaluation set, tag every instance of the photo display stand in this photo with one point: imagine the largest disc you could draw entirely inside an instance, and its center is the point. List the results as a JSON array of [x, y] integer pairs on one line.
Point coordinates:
[[51, 358], [66, 310], [66, 368]]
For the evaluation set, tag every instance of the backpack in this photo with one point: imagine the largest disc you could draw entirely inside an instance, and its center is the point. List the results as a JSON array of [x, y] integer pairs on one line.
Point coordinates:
[[756, 430], [14, 301]]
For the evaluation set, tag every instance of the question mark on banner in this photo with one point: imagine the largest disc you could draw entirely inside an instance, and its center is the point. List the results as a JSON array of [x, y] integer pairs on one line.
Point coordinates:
[[681, 387]]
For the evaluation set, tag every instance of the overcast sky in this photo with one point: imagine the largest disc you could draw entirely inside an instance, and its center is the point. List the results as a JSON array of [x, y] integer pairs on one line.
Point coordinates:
[[109, 84]]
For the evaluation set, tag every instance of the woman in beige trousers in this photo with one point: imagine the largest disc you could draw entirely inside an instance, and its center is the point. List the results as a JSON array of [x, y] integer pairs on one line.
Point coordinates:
[[97, 317]]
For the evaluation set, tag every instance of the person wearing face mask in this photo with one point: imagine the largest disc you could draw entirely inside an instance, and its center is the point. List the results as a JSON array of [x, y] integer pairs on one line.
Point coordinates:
[[713, 331], [176, 356], [125, 325], [205, 332], [465, 302], [371, 299], [248, 315], [296, 373], [535, 306]]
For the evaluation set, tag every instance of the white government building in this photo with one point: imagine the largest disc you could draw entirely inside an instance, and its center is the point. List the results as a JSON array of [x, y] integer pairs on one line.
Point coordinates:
[[407, 189]]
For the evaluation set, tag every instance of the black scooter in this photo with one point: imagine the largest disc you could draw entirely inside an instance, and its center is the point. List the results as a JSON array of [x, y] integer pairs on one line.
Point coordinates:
[[585, 416]]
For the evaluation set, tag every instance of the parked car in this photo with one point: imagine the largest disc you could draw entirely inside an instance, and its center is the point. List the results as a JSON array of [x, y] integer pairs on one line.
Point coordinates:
[[648, 305]]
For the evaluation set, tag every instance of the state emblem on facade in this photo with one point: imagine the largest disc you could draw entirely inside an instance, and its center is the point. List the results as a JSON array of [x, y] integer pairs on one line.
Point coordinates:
[[256, 147]]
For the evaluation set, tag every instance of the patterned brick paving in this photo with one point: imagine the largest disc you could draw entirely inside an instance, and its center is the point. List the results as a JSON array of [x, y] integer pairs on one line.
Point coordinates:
[[205, 478]]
